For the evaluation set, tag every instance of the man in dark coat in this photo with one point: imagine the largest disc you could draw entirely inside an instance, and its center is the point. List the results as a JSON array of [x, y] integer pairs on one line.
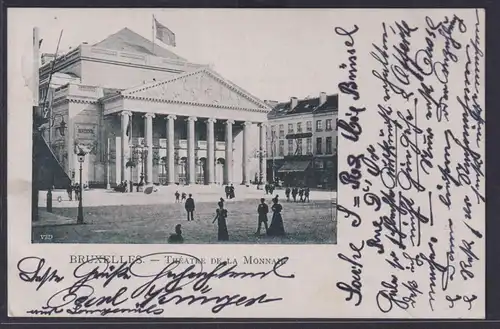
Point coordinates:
[[227, 189], [262, 210], [287, 193], [294, 194], [301, 195], [189, 205], [69, 190], [306, 194], [231, 192], [177, 196]]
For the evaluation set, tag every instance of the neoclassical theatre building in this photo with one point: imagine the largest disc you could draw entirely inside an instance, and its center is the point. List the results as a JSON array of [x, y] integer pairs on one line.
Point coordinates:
[[143, 111]]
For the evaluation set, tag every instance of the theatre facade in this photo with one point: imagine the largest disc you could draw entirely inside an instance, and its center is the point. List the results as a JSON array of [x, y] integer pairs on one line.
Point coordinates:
[[144, 114]]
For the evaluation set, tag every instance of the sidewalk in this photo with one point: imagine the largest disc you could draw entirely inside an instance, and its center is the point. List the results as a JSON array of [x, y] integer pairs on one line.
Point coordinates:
[[164, 195]]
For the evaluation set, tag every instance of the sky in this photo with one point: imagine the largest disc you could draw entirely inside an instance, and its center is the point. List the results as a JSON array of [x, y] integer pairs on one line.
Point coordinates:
[[273, 54]]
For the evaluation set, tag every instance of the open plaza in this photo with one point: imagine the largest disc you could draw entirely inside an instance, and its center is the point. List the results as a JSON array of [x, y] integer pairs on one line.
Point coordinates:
[[112, 217]]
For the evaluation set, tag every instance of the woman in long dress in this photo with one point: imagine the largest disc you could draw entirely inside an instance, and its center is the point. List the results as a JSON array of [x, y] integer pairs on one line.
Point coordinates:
[[276, 228], [220, 217]]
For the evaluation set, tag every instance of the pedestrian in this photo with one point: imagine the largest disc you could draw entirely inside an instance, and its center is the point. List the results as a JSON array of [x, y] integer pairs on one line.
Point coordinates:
[[69, 190], [77, 192], [189, 205], [177, 195], [227, 189], [232, 195], [294, 194], [271, 188], [306, 193], [276, 228], [183, 196], [177, 236], [301, 195], [287, 193], [220, 217], [262, 211]]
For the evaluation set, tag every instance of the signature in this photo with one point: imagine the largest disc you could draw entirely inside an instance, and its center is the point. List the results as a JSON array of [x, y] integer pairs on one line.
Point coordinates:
[[175, 283]]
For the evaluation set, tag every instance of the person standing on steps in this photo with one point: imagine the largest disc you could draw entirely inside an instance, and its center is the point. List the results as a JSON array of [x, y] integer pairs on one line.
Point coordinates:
[[189, 205], [177, 195], [231, 192]]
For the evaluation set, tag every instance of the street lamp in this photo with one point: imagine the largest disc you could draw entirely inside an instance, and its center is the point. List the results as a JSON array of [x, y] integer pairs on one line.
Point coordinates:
[[81, 159], [273, 152]]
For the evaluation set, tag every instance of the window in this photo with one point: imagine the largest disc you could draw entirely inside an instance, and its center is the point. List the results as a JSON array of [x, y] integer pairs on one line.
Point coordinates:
[[328, 124], [281, 148], [319, 125], [290, 147], [290, 128], [319, 146], [282, 131], [309, 146], [299, 127], [299, 146], [309, 126], [329, 145]]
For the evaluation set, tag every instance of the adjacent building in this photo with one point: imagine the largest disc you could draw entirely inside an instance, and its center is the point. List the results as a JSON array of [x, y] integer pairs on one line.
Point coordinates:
[[302, 141], [146, 114]]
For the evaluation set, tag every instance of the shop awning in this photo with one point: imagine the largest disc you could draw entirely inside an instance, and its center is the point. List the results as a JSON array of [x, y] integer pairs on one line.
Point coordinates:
[[295, 166]]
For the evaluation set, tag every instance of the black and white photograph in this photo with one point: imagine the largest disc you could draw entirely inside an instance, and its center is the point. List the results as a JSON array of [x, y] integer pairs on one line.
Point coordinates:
[[228, 164], [182, 126]]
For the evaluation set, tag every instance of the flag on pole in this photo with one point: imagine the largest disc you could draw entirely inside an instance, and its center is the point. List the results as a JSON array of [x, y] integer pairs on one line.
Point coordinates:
[[164, 34]]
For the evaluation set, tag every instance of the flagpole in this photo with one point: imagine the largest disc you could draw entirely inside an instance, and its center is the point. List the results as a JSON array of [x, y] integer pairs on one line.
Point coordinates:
[[153, 32], [48, 89]]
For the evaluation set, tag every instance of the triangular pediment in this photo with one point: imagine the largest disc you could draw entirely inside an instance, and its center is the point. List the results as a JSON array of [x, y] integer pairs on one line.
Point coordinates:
[[198, 87]]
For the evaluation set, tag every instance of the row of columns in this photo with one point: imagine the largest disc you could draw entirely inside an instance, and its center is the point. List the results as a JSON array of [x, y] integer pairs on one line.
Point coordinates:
[[170, 124]]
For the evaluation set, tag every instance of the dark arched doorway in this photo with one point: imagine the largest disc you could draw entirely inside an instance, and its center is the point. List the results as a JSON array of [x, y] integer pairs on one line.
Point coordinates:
[[219, 170]]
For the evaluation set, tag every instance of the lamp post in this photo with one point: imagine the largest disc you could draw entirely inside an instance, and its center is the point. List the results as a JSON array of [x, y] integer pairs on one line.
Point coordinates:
[[81, 159], [61, 129], [140, 152], [273, 151]]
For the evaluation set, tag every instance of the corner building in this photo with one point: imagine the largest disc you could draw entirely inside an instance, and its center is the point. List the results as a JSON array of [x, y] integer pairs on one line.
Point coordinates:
[[302, 142], [144, 112]]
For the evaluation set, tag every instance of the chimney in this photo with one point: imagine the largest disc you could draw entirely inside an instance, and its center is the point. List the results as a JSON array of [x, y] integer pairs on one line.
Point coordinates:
[[271, 103], [322, 98], [293, 102]]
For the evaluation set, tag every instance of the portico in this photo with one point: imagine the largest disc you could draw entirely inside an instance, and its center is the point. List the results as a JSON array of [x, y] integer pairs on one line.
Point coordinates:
[[196, 128]]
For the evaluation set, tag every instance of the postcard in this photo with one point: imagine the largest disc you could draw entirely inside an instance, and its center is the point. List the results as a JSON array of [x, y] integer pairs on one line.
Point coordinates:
[[237, 163]]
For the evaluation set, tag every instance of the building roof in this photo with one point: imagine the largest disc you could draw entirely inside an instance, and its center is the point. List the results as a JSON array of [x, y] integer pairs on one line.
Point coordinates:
[[111, 91], [309, 105], [129, 41]]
